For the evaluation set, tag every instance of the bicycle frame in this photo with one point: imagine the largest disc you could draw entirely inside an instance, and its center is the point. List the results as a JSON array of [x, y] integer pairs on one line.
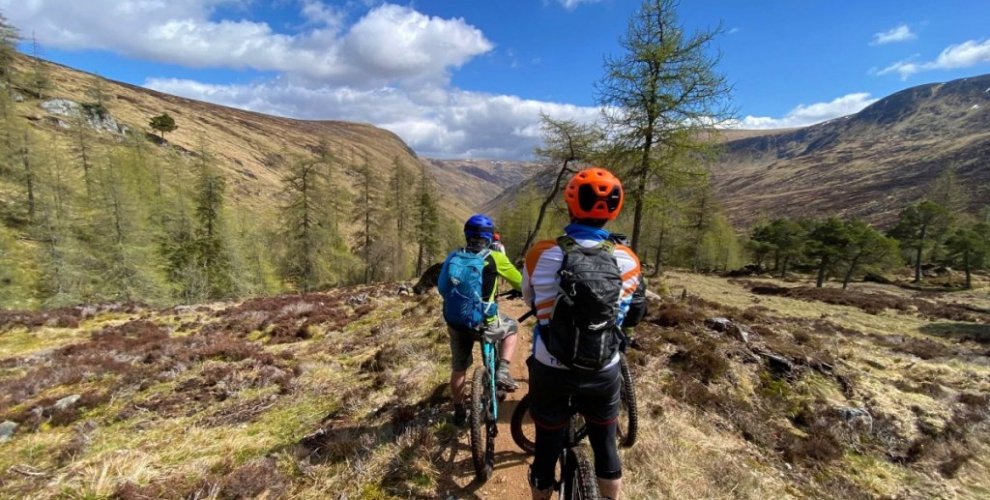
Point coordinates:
[[488, 356]]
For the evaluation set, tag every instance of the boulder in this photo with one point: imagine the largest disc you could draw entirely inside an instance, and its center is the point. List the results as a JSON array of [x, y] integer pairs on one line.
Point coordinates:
[[726, 325], [66, 402], [7, 429], [857, 418]]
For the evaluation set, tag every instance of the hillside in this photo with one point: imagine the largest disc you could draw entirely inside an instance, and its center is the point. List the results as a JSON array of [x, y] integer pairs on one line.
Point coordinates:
[[248, 146], [870, 164], [479, 180], [872, 393]]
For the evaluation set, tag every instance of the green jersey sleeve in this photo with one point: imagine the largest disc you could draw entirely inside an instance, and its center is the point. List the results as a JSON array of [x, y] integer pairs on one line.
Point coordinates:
[[507, 271]]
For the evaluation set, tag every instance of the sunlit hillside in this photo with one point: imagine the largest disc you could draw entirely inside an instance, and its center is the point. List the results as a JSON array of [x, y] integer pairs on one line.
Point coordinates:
[[878, 392]]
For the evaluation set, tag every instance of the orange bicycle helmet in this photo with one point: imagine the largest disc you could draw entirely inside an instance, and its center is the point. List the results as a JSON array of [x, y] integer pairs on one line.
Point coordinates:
[[594, 193]]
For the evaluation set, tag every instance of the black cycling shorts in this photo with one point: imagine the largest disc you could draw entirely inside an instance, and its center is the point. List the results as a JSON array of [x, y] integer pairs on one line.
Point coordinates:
[[555, 394]]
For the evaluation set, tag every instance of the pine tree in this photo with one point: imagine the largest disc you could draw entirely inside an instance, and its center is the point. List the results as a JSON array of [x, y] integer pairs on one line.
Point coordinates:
[[915, 227]]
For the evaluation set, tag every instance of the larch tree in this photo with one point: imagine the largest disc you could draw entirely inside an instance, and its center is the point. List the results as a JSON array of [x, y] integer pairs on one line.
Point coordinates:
[[397, 205], [427, 220], [665, 83], [565, 144], [307, 234], [9, 37]]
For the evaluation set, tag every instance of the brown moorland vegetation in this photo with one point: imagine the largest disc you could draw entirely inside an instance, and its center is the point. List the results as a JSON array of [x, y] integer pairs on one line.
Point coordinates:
[[345, 392]]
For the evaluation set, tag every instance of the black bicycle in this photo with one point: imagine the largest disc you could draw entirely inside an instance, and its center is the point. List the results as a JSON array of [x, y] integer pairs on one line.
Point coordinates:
[[577, 475], [524, 434], [485, 397]]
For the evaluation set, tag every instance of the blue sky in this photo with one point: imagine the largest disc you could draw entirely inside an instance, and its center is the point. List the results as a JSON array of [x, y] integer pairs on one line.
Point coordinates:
[[466, 78]]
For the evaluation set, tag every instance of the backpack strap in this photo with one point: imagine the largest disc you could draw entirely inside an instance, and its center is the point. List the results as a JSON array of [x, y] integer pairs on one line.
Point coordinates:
[[567, 243]]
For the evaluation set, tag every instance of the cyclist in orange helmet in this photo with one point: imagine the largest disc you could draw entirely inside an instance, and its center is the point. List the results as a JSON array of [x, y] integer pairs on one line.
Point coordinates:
[[581, 286]]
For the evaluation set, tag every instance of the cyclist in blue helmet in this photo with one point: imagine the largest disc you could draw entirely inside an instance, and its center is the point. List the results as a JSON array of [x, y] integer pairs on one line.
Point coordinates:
[[479, 232]]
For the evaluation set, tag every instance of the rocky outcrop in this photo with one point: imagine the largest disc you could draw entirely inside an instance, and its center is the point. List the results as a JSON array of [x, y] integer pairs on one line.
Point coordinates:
[[96, 117]]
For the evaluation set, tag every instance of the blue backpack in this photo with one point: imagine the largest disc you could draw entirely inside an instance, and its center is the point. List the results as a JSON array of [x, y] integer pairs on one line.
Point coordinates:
[[462, 304]]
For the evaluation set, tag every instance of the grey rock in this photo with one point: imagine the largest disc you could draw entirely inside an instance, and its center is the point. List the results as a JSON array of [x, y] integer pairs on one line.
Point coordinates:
[[726, 325], [718, 324], [358, 299], [7, 429], [100, 120], [67, 402], [62, 107], [857, 418]]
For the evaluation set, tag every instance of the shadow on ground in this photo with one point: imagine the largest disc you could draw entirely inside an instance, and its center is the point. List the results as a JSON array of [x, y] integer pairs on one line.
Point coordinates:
[[959, 331]]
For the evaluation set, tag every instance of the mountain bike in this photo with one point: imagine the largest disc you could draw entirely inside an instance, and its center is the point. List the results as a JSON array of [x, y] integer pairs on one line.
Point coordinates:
[[524, 434], [485, 397], [577, 475]]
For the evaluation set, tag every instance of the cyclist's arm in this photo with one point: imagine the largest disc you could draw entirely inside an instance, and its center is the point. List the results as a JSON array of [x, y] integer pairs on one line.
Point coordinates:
[[507, 271], [637, 308]]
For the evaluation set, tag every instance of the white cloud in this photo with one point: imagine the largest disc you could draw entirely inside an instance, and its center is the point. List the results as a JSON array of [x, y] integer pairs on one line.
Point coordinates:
[[434, 121], [804, 115], [901, 33], [964, 55], [390, 43], [573, 4]]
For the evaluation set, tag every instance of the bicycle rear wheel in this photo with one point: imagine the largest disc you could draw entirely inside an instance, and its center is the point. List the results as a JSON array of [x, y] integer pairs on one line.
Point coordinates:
[[578, 480], [628, 411], [482, 440], [628, 422], [522, 427]]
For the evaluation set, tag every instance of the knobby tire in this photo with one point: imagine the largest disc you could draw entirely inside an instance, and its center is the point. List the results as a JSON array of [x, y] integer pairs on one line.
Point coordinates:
[[627, 432], [628, 425], [579, 481], [481, 440], [519, 416]]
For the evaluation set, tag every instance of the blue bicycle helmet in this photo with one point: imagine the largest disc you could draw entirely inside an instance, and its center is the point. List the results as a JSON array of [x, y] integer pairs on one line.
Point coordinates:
[[479, 226]]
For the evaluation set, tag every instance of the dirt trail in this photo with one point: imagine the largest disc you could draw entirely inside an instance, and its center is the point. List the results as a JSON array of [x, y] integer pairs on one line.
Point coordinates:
[[509, 480]]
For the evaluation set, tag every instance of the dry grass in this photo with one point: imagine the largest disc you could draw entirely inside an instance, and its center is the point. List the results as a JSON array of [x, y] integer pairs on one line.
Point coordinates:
[[212, 402]]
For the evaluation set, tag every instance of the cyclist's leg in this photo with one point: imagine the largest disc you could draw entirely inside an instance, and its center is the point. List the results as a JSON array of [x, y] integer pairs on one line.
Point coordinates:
[[461, 344], [550, 409], [598, 401], [507, 351]]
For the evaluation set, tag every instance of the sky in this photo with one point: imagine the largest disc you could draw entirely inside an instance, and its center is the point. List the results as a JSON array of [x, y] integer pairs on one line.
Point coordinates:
[[470, 78]]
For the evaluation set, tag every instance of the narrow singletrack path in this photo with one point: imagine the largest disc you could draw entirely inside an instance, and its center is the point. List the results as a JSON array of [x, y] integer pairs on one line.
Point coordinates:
[[509, 480]]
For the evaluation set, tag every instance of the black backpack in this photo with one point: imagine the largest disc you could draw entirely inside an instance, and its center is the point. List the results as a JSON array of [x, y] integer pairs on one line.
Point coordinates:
[[583, 334]]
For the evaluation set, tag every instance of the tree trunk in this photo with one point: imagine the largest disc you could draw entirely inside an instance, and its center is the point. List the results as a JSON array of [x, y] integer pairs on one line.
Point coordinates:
[[28, 176], [820, 281], [850, 271], [917, 258], [543, 209], [783, 269], [638, 197], [969, 278], [657, 258]]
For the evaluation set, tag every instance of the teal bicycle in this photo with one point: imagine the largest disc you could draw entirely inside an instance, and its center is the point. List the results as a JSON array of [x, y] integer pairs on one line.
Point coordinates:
[[485, 397]]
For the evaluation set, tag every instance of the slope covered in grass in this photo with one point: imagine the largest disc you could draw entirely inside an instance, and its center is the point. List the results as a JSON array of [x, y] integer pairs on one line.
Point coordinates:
[[311, 396]]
